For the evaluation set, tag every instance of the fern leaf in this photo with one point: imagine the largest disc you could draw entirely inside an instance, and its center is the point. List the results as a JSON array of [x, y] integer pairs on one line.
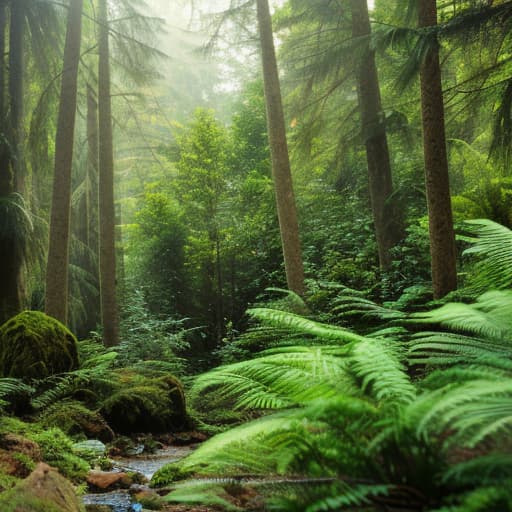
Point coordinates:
[[304, 325]]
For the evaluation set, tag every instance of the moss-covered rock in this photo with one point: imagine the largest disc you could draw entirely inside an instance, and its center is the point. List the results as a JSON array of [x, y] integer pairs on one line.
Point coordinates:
[[76, 420], [57, 450], [43, 491], [35, 346], [150, 405]]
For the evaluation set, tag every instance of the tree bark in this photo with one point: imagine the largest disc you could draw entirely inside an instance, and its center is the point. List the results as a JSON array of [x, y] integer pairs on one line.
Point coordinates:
[[6, 177], [285, 199], [442, 237], [386, 218], [92, 170], [110, 320], [56, 298], [10, 259], [16, 64]]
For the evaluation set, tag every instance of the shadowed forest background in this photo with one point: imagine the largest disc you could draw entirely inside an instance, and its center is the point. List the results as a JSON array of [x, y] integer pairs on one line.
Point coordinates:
[[294, 214]]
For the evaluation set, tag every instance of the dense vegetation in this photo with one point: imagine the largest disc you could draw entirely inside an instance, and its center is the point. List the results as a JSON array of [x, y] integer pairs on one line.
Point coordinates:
[[307, 223]]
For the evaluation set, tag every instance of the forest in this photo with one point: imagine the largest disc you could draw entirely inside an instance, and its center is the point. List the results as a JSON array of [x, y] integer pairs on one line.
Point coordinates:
[[256, 255]]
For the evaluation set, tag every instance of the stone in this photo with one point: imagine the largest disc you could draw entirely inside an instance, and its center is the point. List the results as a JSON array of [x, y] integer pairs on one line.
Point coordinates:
[[36, 346], [145, 405], [20, 444], [45, 490], [105, 481]]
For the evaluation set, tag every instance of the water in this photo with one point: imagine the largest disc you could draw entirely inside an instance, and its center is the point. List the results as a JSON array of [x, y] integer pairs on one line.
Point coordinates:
[[147, 465]]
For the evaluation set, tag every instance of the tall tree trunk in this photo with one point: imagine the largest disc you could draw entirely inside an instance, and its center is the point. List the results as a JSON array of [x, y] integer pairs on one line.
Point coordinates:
[[285, 199], [16, 64], [12, 292], [92, 170], [6, 177], [442, 238], [87, 220], [56, 299], [386, 217], [110, 319]]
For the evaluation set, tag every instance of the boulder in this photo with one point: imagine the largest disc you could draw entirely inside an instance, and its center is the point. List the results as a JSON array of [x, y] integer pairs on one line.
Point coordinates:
[[20, 444], [104, 481], [74, 419], [43, 491], [35, 346], [149, 405]]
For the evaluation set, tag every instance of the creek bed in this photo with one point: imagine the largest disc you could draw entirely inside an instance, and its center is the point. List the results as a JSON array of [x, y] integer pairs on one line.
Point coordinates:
[[145, 464]]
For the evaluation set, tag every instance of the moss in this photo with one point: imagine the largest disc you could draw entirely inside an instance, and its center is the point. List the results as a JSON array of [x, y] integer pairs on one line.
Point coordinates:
[[7, 481], [77, 421], [35, 346], [138, 409], [43, 491], [22, 503], [150, 405], [168, 474], [56, 449]]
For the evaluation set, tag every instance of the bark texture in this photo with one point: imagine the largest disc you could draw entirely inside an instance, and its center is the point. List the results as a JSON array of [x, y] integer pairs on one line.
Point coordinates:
[[109, 312], [442, 237], [285, 199], [16, 63], [11, 251], [386, 217], [56, 298]]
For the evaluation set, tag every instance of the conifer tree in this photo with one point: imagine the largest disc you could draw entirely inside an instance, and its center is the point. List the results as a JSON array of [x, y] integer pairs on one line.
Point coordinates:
[[56, 299]]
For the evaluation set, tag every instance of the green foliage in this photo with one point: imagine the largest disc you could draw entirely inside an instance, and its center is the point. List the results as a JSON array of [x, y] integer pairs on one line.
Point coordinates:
[[35, 346], [491, 248], [75, 420], [148, 336], [57, 450], [348, 406], [16, 226]]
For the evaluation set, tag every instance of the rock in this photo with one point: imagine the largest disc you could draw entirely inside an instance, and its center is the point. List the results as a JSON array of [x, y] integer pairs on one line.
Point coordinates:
[[98, 508], [92, 448], [35, 346], [13, 465], [149, 499], [74, 419], [105, 481], [186, 438], [43, 491], [142, 404], [20, 444]]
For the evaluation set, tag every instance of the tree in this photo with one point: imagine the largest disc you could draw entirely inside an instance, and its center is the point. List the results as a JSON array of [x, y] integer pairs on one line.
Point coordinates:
[[16, 86], [285, 199], [442, 238], [387, 225], [200, 186], [109, 312], [56, 303]]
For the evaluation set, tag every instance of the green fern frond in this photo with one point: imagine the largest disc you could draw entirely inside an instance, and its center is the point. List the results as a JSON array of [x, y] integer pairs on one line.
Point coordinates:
[[285, 377], [440, 348], [304, 325], [473, 410], [492, 247], [13, 387], [484, 470], [244, 450], [378, 365], [489, 317]]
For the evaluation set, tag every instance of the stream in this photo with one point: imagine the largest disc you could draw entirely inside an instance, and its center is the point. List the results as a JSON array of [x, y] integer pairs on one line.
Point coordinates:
[[145, 464]]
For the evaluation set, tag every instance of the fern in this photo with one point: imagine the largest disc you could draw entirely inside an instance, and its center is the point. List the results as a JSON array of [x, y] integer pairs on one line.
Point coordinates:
[[303, 325], [491, 246], [286, 377]]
